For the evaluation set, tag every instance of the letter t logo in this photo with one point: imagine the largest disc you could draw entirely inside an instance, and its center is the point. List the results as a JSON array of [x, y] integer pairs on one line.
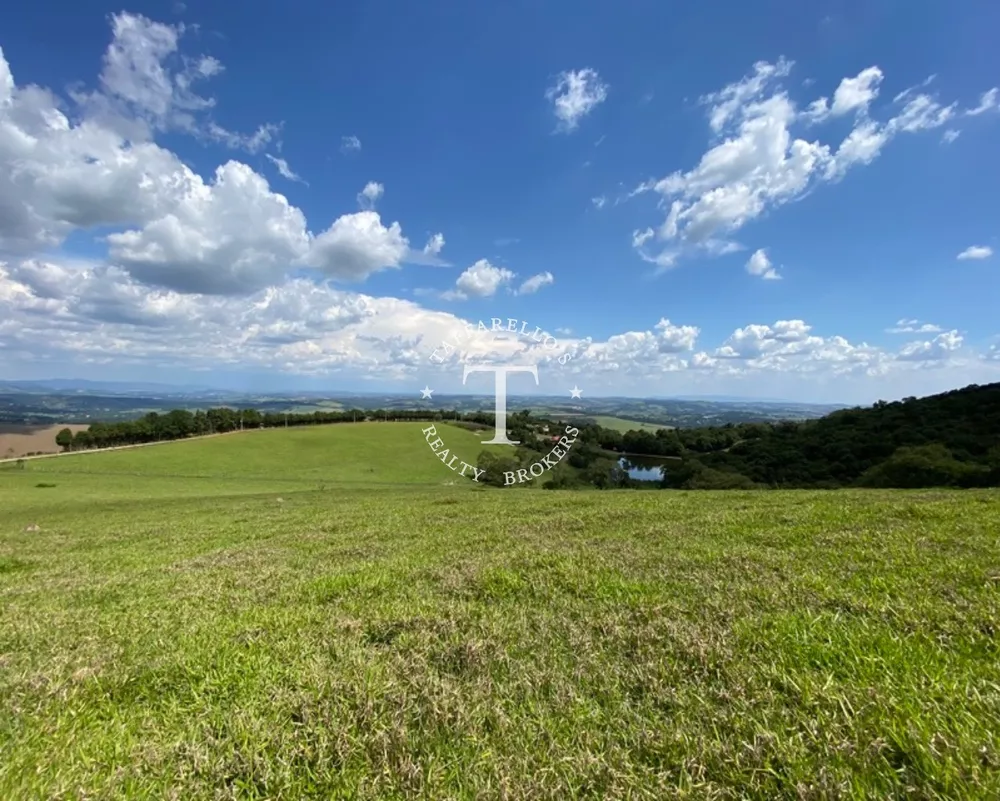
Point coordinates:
[[500, 372]]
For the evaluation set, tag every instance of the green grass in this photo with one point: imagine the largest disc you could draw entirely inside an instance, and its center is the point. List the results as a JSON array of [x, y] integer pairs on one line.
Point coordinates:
[[342, 453], [239, 636]]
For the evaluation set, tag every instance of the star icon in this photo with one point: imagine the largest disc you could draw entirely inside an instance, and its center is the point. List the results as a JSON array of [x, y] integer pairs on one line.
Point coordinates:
[[575, 392], [426, 393]]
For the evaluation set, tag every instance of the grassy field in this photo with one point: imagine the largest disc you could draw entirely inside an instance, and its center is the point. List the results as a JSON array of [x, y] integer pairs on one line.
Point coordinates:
[[202, 620], [620, 424], [344, 453], [614, 423]]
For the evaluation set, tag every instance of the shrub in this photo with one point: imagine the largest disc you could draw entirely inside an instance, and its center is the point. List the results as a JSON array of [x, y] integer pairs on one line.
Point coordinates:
[[707, 478]]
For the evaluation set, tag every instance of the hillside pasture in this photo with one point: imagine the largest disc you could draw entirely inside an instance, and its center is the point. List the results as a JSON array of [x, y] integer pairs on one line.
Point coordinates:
[[341, 453], [242, 617]]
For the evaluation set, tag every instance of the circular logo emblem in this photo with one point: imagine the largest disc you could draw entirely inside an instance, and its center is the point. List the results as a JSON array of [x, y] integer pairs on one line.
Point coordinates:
[[490, 355]]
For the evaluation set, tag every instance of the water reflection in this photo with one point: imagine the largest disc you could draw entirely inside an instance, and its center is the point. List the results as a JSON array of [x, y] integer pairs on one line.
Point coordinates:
[[643, 468]]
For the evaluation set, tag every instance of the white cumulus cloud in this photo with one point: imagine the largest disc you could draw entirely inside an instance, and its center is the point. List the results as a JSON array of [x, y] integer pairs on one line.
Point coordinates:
[[975, 252], [531, 285], [941, 347], [755, 163], [909, 326], [369, 196], [760, 265], [574, 95], [434, 245], [357, 245], [167, 226], [86, 313], [481, 280], [231, 236]]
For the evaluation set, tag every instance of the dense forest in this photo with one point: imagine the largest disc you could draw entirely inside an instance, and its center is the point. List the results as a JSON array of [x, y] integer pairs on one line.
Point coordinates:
[[952, 439]]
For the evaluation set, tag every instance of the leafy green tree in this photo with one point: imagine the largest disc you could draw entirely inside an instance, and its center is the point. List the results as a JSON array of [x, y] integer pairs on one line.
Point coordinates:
[[679, 474], [497, 465], [252, 418], [64, 439], [993, 463], [605, 474], [923, 466], [708, 478], [563, 477]]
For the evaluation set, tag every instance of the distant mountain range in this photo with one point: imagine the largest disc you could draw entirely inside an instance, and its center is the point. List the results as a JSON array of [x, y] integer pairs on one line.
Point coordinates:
[[83, 385], [68, 400], [64, 385], [743, 399]]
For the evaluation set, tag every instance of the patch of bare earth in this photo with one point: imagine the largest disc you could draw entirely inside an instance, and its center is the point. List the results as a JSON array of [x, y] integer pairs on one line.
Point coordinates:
[[20, 440]]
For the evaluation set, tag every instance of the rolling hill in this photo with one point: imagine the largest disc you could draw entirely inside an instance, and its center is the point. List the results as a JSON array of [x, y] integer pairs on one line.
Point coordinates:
[[317, 613]]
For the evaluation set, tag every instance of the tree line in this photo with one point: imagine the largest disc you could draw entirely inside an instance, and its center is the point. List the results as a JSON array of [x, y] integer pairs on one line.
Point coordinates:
[[181, 424]]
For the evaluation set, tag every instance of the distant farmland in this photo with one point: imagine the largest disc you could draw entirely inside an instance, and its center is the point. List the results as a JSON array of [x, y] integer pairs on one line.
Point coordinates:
[[606, 421], [620, 424], [20, 440]]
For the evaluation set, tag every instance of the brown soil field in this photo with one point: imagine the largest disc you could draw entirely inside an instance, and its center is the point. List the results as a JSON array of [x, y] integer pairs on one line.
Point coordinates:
[[20, 440]]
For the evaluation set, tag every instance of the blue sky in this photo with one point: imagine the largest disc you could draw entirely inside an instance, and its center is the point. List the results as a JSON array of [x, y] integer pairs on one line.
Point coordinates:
[[758, 199]]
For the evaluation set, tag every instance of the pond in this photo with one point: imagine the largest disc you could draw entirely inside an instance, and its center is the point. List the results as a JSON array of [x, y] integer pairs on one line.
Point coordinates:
[[643, 468]]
